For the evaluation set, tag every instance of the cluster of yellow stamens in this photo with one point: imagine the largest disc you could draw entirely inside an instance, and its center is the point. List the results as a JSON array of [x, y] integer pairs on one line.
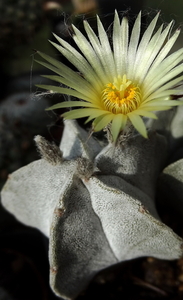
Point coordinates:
[[121, 96]]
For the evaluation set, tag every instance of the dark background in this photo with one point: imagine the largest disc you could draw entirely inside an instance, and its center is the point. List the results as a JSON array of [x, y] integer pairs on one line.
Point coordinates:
[[25, 26]]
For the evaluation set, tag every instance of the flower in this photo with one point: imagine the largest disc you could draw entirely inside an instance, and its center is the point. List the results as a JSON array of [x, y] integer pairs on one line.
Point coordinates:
[[127, 80]]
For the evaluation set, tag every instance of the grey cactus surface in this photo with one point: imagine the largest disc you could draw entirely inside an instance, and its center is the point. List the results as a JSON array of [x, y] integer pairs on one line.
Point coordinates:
[[95, 203]]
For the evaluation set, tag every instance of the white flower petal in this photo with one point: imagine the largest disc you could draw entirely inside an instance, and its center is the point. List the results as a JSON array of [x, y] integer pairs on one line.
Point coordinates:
[[84, 112], [71, 104], [63, 91], [80, 63], [123, 39], [98, 49], [104, 120], [156, 108], [172, 83], [172, 74], [134, 40], [120, 44], [117, 45], [118, 123], [144, 113], [89, 53], [165, 50], [86, 91], [109, 58], [64, 71], [151, 52], [164, 102], [162, 93], [164, 67], [145, 40], [138, 124]]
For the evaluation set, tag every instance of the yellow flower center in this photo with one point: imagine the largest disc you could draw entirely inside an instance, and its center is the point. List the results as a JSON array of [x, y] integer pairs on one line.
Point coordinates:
[[121, 96]]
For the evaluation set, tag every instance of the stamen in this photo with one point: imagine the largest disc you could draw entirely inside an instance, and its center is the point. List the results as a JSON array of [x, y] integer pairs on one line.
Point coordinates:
[[121, 96]]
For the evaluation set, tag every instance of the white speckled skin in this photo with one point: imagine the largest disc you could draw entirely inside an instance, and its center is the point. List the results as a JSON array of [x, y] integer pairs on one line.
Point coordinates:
[[98, 218], [138, 161]]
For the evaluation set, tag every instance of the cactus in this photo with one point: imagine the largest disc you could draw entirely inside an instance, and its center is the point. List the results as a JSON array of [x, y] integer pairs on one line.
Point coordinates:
[[95, 203]]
